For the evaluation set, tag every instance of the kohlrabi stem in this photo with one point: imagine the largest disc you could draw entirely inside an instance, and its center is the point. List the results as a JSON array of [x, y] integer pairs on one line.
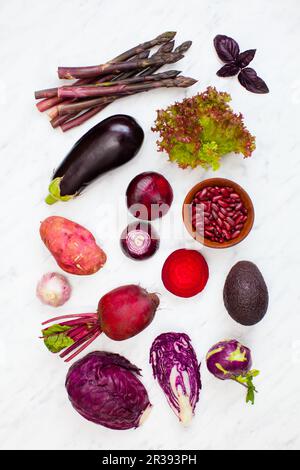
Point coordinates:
[[247, 382]]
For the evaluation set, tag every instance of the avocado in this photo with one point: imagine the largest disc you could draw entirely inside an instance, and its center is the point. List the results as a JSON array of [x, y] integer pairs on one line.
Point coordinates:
[[245, 293]]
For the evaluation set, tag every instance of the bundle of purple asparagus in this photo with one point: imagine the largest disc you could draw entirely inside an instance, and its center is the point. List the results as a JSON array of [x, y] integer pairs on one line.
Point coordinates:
[[127, 74]]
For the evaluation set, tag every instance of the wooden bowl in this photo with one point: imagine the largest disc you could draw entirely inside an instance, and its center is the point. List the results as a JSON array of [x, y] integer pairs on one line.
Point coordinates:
[[186, 212]]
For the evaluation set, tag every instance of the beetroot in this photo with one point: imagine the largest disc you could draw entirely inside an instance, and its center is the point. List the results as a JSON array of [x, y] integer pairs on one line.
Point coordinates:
[[185, 273], [122, 313], [149, 196]]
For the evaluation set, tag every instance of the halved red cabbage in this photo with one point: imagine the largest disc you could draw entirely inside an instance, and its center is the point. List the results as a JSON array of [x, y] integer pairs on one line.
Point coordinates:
[[104, 388], [176, 368]]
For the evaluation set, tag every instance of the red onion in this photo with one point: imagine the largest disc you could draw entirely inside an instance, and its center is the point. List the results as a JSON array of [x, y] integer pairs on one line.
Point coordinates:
[[139, 241], [149, 196]]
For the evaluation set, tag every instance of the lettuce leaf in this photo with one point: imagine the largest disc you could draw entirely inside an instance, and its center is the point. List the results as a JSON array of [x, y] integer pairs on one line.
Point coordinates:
[[198, 131]]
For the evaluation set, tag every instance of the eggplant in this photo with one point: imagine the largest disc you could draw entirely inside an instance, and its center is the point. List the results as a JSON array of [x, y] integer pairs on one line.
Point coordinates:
[[108, 145]]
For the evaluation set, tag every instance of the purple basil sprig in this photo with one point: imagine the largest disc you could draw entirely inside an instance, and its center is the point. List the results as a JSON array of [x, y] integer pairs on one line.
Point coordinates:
[[248, 78], [237, 62]]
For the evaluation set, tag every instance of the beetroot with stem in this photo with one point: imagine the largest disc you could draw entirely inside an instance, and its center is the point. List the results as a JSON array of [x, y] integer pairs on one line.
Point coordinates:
[[149, 196], [122, 313]]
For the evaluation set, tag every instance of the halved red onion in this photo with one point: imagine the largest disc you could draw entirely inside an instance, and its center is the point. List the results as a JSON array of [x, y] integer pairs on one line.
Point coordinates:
[[139, 240]]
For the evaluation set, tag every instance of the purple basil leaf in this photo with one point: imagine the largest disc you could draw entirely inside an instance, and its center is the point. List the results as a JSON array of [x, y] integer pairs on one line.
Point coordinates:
[[228, 70], [244, 58], [226, 48], [248, 78]]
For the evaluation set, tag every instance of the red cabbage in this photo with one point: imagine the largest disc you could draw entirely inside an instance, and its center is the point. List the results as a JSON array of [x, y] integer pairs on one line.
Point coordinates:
[[104, 388], [176, 368]]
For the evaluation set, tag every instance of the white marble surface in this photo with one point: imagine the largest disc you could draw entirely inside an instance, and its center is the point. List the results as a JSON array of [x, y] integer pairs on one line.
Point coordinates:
[[36, 37]]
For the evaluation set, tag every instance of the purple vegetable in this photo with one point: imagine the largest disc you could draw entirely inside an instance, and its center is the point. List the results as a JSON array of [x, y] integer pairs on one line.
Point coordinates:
[[108, 145], [230, 360], [235, 61], [149, 196], [226, 48], [248, 78], [104, 388], [245, 58], [139, 241], [228, 70], [176, 368]]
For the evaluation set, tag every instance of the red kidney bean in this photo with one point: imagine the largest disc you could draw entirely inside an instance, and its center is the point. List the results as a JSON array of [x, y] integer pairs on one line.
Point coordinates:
[[203, 192], [208, 234], [222, 203], [224, 192], [219, 212], [227, 226], [226, 234], [230, 221], [235, 234], [239, 219]]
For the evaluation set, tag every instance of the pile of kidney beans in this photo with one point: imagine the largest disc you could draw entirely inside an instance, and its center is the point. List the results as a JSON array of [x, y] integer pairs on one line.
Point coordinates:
[[218, 213]]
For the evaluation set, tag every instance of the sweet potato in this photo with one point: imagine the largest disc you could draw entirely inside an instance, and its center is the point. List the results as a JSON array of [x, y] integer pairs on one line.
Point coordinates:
[[73, 246]]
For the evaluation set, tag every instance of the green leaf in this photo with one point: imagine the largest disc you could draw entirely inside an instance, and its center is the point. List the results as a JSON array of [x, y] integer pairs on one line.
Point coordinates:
[[247, 381], [250, 396], [56, 338], [199, 130]]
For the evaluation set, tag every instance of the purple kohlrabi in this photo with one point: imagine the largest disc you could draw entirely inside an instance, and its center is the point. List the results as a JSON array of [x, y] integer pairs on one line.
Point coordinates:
[[230, 360], [176, 368]]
